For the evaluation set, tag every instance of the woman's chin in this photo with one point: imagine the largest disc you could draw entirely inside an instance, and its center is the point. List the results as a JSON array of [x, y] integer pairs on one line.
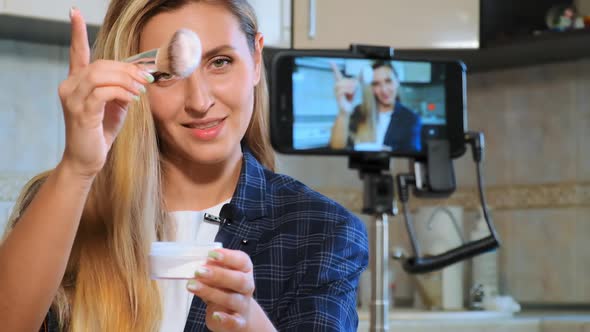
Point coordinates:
[[210, 154], [207, 159]]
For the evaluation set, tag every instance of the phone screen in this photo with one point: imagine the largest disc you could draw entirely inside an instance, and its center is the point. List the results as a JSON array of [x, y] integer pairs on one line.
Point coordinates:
[[367, 105]]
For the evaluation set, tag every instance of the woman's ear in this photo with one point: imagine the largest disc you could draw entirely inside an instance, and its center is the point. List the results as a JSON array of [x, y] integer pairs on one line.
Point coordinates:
[[258, 61]]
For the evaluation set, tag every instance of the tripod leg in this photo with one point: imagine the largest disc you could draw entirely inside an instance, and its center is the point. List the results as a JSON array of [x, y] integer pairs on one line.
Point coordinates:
[[379, 264]]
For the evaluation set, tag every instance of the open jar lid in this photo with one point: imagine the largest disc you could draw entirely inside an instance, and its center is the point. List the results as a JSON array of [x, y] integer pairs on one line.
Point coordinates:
[[182, 249]]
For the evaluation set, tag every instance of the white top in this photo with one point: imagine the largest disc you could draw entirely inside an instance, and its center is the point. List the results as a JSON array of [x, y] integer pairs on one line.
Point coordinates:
[[382, 125], [177, 299]]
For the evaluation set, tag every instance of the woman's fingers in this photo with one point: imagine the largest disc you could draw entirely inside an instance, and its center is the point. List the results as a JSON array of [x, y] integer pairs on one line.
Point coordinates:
[[97, 99], [110, 73], [229, 300], [229, 270], [226, 285], [80, 48], [231, 259], [225, 278], [218, 320], [346, 87], [336, 71], [110, 66]]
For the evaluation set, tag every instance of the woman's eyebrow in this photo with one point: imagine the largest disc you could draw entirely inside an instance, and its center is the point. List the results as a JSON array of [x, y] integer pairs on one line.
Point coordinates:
[[218, 49]]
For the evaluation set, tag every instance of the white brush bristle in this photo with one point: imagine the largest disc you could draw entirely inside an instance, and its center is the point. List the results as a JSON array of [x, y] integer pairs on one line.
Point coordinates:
[[182, 55]]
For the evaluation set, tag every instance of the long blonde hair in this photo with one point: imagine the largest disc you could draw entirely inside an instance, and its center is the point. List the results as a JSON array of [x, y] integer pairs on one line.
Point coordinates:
[[367, 126], [369, 111], [107, 286]]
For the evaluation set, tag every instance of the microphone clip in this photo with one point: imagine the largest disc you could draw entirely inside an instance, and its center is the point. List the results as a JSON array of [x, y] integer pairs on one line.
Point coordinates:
[[224, 218], [215, 219]]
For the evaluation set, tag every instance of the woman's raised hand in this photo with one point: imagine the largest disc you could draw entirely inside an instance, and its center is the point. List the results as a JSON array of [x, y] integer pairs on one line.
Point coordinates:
[[344, 89], [95, 98]]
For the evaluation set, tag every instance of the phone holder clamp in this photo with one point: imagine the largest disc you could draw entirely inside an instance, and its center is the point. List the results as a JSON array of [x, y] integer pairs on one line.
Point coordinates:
[[383, 52]]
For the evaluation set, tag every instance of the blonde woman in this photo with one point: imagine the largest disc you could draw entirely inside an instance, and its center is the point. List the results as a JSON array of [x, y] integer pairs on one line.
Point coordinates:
[[139, 165], [381, 122]]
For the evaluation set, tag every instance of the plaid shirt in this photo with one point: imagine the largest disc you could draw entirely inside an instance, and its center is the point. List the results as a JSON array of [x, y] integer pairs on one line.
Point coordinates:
[[308, 252]]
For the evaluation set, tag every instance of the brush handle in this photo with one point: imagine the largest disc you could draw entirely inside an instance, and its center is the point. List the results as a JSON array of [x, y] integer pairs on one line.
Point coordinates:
[[145, 58]]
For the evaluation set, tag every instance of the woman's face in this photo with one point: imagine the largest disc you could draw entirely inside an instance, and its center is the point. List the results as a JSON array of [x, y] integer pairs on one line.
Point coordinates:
[[384, 86], [203, 118]]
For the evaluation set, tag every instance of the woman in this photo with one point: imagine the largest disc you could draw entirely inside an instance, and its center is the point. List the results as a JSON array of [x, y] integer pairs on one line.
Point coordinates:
[[381, 122], [75, 257]]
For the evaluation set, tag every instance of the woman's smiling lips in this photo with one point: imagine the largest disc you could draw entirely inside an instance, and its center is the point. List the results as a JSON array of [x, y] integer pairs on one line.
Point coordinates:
[[205, 129]]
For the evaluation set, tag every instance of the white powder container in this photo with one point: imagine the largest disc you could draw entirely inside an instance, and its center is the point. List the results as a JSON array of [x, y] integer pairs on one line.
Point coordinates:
[[178, 260]]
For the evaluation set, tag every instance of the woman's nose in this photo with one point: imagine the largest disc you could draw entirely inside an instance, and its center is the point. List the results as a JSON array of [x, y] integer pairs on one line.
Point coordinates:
[[198, 94]]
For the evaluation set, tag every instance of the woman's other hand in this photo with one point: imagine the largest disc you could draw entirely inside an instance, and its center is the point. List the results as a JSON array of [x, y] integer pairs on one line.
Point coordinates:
[[226, 285]]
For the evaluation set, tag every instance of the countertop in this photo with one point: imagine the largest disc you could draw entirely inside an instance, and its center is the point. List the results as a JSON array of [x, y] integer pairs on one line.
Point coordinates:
[[531, 321]]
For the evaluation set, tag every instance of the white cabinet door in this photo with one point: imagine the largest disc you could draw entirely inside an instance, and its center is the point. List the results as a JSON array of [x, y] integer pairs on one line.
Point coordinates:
[[57, 10], [274, 21], [415, 24]]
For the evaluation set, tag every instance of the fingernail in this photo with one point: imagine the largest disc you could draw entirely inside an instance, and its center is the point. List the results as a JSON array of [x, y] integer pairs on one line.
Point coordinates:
[[136, 98], [149, 77], [193, 285], [201, 272], [73, 11], [214, 255], [217, 316], [140, 87]]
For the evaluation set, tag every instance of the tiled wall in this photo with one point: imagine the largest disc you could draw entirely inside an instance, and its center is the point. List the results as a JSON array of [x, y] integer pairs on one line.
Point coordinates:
[[31, 122], [537, 122]]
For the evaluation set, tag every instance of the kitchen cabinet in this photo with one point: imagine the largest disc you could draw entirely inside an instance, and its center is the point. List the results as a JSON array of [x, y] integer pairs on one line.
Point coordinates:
[[417, 24], [274, 21], [57, 10], [47, 21]]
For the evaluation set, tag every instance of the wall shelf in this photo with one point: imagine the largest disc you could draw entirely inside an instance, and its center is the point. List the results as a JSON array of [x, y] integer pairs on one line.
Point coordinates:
[[544, 48]]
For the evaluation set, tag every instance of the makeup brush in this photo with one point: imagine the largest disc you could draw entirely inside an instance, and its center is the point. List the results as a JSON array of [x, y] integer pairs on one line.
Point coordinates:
[[179, 57]]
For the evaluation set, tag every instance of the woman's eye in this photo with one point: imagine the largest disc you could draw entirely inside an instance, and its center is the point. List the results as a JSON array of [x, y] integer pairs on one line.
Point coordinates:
[[162, 77], [220, 62]]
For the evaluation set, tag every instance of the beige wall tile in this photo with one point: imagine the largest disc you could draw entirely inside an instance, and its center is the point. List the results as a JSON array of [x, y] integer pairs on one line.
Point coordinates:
[[540, 128], [319, 171], [582, 116], [565, 325], [531, 123], [538, 256], [30, 116], [581, 268]]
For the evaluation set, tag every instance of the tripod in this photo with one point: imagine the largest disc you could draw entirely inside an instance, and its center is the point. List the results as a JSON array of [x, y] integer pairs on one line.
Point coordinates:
[[378, 198], [432, 177], [438, 180]]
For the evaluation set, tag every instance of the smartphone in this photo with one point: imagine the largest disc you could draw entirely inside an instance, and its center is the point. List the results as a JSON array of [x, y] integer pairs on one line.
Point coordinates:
[[339, 103]]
